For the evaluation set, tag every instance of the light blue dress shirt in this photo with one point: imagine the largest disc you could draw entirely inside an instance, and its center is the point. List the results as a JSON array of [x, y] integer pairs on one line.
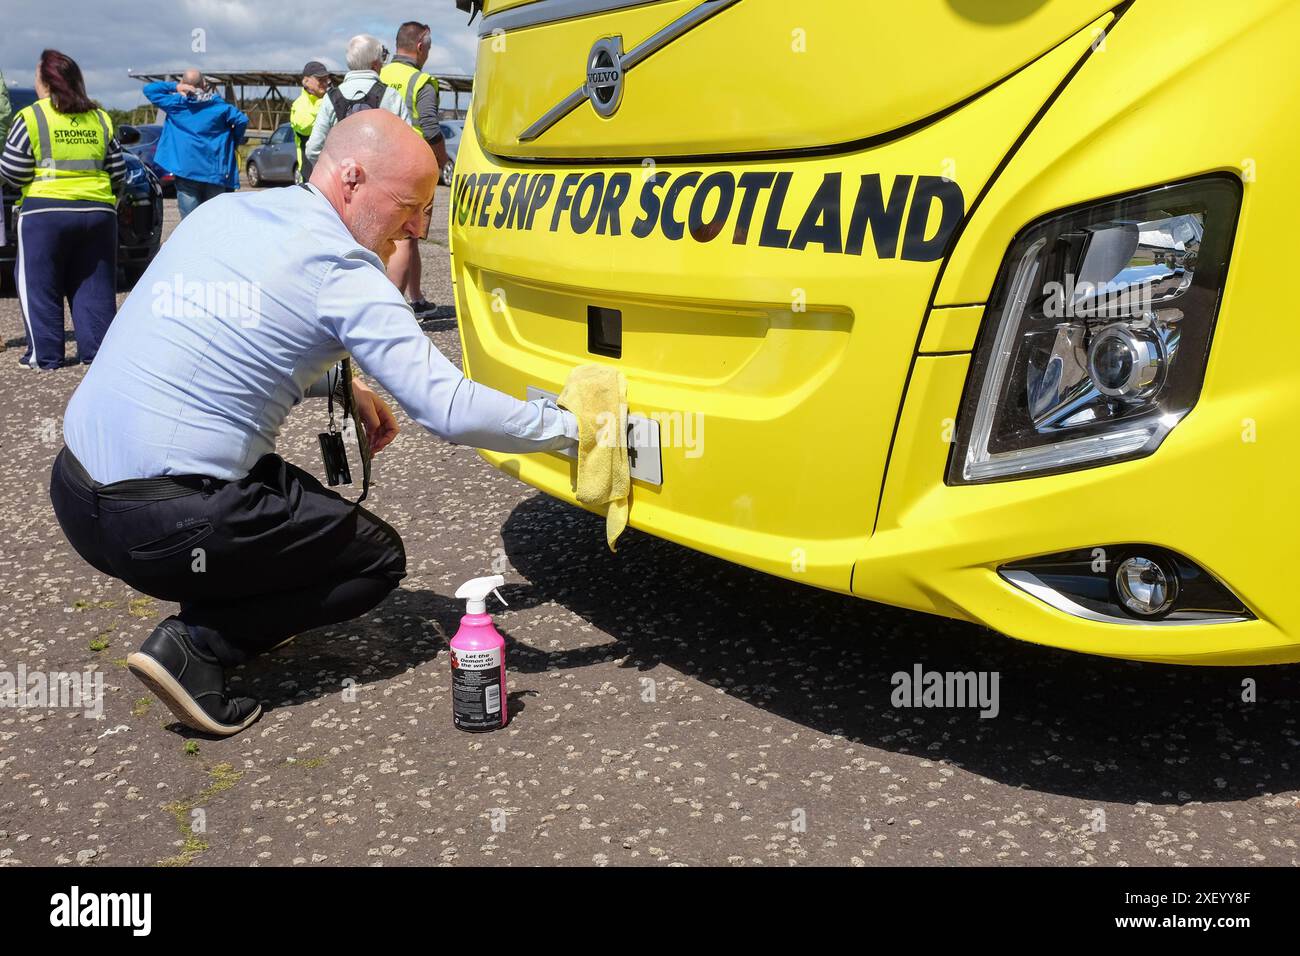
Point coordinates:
[[250, 302]]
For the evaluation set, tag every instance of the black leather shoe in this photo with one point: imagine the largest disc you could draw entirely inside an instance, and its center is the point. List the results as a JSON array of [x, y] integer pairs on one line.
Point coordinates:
[[190, 682]]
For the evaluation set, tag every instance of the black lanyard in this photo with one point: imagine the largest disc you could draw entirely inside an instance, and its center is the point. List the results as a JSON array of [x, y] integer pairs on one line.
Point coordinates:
[[344, 385], [348, 400]]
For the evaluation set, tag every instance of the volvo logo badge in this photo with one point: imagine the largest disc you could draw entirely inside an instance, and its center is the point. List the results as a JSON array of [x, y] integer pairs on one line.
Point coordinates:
[[607, 64], [604, 87]]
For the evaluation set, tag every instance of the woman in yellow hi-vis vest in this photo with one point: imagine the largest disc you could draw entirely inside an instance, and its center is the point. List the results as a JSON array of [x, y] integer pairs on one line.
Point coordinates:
[[62, 154]]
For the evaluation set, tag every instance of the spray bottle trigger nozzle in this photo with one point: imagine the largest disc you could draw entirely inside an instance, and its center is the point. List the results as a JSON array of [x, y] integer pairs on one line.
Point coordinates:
[[500, 598], [475, 592]]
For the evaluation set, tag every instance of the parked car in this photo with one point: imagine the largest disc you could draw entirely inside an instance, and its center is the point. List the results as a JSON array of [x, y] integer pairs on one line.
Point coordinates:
[[139, 220], [143, 142], [1000, 341], [139, 215], [275, 162], [451, 133]]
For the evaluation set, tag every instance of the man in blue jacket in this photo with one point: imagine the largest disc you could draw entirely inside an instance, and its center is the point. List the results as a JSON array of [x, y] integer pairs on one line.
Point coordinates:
[[199, 139]]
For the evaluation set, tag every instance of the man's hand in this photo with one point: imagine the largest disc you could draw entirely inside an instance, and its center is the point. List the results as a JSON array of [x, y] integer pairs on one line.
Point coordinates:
[[376, 416]]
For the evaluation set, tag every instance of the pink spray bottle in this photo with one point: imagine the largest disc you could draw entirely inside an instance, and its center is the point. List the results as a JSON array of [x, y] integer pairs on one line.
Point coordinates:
[[478, 661]]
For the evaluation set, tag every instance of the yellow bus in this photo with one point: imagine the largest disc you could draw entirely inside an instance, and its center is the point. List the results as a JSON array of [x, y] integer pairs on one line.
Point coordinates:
[[956, 305]]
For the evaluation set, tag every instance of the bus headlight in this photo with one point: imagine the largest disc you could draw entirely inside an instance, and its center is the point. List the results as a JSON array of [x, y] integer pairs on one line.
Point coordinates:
[[1096, 337], [1124, 362]]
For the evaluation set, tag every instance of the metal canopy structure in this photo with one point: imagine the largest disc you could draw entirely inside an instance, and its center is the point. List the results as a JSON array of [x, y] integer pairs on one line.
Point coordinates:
[[267, 95]]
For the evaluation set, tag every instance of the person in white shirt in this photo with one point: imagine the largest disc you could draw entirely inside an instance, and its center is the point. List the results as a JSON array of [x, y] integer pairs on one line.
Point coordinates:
[[170, 437]]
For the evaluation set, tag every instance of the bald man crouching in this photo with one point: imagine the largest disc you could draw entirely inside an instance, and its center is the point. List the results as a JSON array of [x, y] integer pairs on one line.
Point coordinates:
[[169, 479]]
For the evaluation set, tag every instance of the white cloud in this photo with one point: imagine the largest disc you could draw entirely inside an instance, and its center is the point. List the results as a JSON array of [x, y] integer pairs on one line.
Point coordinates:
[[109, 39]]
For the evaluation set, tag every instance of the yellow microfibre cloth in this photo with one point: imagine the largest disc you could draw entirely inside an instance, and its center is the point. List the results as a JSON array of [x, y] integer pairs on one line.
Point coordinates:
[[597, 396]]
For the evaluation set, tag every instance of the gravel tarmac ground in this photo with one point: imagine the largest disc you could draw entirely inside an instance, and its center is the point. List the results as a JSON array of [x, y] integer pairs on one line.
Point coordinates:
[[668, 708]]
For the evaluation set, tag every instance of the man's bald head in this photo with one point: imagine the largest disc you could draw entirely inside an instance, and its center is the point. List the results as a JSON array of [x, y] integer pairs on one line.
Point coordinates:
[[379, 174], [192, 77]]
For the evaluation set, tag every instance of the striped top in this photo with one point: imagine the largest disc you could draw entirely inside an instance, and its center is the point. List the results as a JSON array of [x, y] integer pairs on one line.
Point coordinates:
[[18, 162]]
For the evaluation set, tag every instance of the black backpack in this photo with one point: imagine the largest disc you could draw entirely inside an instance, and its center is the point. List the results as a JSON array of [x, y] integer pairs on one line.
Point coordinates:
[[344, 107]]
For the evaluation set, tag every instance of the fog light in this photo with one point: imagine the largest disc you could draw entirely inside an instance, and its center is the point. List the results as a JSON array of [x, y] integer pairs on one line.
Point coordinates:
[[1144, 586], [1133, 584]]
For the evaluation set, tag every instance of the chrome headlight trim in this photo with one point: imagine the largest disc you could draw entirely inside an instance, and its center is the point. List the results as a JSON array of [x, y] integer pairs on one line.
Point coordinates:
[[1150, 265]]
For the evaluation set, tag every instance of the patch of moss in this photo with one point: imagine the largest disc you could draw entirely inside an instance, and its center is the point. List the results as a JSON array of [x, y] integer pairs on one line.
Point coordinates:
[[140, 607], [191, 848], [141, 707], [223, 777], [311, 763]]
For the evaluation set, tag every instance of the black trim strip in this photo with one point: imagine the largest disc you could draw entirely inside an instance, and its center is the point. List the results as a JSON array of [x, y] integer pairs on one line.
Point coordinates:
[[537, 13], [797, 152]]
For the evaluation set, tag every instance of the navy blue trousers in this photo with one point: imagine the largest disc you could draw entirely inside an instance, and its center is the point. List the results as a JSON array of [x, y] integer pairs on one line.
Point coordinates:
[[66, 255], [251, 562]]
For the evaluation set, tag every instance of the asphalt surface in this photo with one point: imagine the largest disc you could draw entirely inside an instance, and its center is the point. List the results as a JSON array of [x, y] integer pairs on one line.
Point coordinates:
[[668, 708]]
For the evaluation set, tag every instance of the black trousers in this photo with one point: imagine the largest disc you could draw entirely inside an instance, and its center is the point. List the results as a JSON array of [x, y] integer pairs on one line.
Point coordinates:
[[251, 562]]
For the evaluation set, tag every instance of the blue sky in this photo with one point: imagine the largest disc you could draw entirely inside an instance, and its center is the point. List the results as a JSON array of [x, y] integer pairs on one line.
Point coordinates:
[[108, 38]]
